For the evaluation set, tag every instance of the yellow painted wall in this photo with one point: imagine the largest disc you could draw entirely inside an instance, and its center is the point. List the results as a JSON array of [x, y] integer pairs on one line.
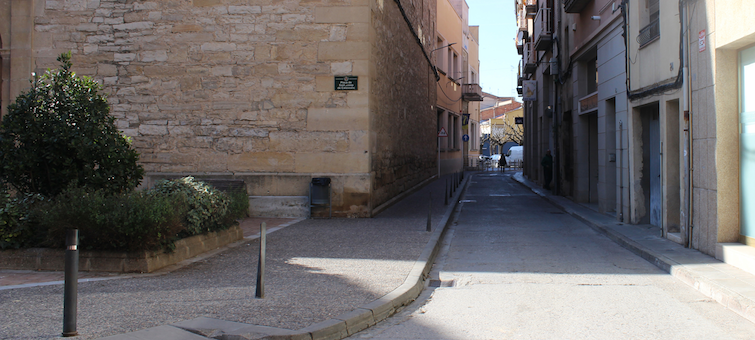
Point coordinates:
[[656, 58]]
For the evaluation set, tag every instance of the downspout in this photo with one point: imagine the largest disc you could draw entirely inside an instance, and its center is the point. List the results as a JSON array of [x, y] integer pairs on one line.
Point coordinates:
[[688, 170], [621, 171]]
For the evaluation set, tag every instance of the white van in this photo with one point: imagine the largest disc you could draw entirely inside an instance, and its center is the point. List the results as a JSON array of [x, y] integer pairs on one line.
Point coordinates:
[[514, 156]]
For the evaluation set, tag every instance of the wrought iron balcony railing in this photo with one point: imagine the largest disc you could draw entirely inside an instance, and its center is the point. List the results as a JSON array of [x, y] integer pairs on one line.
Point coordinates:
[[530, 58], [543, 30], [531, 7], [471, 92], [588, 103], [649, 33]]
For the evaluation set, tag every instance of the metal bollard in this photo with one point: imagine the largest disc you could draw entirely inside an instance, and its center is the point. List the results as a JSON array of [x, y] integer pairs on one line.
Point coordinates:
[[70, 295], [445, 193], [261, 264], [430, 214]]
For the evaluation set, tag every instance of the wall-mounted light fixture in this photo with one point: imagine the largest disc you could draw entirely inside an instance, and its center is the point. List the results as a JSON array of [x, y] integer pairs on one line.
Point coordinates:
[[595, 17], [443, 47]]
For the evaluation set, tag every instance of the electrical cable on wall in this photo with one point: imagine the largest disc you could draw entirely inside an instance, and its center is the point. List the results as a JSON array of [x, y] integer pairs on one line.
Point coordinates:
[[417, 38], [660, 89]]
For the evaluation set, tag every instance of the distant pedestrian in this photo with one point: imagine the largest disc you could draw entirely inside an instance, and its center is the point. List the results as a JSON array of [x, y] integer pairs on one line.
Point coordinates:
[[502, 163], [547, 164]]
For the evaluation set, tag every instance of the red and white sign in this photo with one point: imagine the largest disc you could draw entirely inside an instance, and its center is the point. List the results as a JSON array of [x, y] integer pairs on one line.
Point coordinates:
[[701, 41], [442, 132]]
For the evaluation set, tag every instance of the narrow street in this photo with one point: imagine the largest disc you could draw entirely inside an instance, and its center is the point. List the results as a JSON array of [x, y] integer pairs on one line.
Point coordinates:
[[513, 266]]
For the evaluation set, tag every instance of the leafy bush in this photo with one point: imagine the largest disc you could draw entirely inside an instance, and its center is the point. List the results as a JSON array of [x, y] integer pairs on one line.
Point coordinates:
[[140, 220], [60, 132], [209, 209], [16, 230], [239, 204]]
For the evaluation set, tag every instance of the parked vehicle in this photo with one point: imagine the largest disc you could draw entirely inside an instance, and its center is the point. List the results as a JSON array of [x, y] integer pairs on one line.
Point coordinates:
[[494, 159], [514, 156]]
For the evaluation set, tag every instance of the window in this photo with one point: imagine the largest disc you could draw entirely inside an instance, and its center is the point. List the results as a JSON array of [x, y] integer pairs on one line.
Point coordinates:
[[439, 53], [450, 125], [455, 75], [651, 19], [450, 61], [440, 125], [472, 78], [592, 75]]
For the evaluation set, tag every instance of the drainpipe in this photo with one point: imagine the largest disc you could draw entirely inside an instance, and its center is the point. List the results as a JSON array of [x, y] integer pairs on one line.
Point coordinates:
[[686, 231], [621, 171]]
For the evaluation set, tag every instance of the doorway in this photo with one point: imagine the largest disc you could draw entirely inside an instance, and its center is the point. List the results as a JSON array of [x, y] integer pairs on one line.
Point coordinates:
[[651, 161], [592, 157], [747, 144], [608, 200]]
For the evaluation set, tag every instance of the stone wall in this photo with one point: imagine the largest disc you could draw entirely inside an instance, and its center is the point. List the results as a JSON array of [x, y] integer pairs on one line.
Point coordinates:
[[244, 89], [403, 91]]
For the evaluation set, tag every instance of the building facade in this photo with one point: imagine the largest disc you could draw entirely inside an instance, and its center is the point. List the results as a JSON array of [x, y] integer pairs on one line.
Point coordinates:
[[719, 45], [646, 107], [273, 93], [458, 92]]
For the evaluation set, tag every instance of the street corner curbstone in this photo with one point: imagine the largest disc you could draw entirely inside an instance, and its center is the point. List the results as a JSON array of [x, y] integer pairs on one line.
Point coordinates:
[[230, 330], [159, 332], [406, 293], [381, 308], [357, 320], [332, 329]]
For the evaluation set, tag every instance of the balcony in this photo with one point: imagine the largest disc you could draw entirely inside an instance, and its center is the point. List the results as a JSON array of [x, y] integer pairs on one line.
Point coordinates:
[[543, 30], [521, 20], [575, 6], [531, 7], [521, 38], [520, 74], [649, 33], [588, 103], [530, 58], [471, 92]]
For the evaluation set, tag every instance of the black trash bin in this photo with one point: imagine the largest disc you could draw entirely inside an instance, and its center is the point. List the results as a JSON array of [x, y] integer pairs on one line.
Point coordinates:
[[319, 194]]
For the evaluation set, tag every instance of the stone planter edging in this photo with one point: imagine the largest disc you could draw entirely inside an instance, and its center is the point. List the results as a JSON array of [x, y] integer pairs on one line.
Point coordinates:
[[119, 262]]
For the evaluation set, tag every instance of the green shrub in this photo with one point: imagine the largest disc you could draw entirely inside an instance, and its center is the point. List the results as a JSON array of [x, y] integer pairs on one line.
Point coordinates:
[[239, 205], [16, 229], [140, 220], [208, 207], [60, 132]]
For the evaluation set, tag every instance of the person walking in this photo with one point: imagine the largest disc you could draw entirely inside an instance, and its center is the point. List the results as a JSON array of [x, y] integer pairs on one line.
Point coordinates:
[[502, 162], [547, 164]]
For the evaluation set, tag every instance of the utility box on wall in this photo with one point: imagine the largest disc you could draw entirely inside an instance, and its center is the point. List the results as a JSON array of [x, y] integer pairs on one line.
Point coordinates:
[[319, 194]]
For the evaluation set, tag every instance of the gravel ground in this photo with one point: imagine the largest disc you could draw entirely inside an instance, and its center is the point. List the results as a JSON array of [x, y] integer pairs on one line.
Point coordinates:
[[316, 269]]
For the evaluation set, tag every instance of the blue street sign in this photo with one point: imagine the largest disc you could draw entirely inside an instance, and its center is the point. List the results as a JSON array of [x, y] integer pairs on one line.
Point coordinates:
[[465, 138]]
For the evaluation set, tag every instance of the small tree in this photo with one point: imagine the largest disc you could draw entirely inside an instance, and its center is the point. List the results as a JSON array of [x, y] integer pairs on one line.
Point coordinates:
[[502, 134], [61, 133]]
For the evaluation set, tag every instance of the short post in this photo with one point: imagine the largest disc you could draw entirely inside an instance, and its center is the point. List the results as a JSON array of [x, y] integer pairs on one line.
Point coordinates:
[[445, 192], [430, 214], [261, 264], [70, 292]]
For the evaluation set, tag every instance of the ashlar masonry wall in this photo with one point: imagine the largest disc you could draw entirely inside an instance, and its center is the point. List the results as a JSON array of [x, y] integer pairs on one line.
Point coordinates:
[[245, 89]]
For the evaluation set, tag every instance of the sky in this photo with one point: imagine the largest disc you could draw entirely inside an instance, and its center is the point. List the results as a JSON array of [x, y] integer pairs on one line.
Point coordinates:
[[499, 60]]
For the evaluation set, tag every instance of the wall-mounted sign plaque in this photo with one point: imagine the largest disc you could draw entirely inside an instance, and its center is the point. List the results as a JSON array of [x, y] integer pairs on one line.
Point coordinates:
[[346, 83]]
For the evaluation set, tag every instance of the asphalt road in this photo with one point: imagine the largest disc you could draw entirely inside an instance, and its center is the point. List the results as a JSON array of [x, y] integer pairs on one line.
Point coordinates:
[[516, 267]]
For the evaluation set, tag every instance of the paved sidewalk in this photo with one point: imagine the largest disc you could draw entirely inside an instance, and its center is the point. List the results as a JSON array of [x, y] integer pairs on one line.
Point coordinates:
[[12, 279], [325, 278], [726, 284]]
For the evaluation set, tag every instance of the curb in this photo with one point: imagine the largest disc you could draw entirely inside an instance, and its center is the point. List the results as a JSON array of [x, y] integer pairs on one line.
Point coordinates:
[[349, 323], [742, 305]]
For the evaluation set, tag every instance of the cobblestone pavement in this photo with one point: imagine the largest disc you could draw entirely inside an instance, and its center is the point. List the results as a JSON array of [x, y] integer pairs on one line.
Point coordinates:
[[316, 269]]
